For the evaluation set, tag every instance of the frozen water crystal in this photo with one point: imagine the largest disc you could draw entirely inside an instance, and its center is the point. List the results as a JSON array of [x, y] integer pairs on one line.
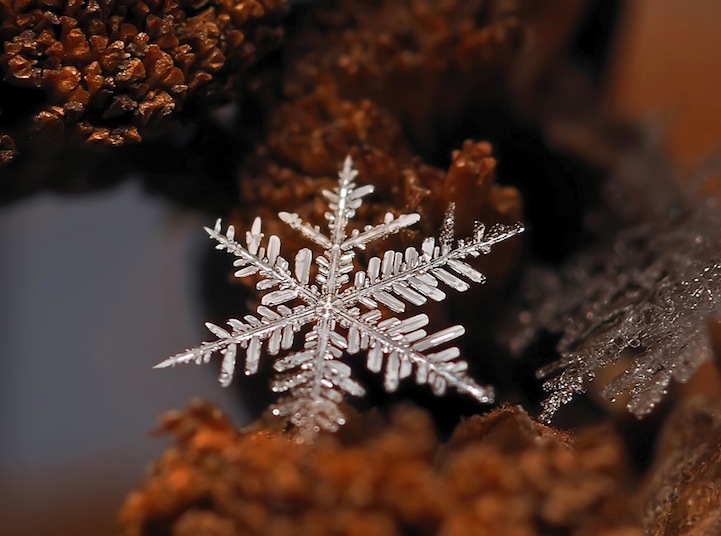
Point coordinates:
[[338, 315]]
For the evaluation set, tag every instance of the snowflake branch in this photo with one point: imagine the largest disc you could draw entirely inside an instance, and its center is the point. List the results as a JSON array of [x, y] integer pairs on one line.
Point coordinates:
[[438, 369], [388, 227], [306, 229], [344, 201], [280, 328], [317, 381], [413, 276]]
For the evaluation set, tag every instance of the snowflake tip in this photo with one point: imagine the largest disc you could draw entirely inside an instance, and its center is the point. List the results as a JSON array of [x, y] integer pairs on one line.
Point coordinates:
[[172, 361]]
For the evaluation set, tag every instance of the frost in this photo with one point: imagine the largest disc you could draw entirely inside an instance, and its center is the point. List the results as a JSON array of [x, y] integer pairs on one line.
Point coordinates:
[[642, 300], [337, 316]]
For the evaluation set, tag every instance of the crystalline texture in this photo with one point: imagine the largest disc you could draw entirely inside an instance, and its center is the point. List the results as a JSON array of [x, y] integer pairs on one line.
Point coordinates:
[[642, 299], [314, 380]]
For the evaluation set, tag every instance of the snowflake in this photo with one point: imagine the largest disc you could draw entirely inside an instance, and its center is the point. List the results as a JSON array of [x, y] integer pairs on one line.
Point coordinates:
[[314, 380]]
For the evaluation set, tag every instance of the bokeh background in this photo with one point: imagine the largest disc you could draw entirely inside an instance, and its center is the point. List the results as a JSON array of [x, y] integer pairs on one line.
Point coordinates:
[[95, 289]]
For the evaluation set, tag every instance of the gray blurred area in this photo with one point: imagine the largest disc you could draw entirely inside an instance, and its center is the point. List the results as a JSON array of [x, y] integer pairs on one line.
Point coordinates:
[[94, 290]]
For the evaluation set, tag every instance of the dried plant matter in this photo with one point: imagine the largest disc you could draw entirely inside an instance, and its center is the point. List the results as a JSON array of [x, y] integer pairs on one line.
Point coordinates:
[[645, 296], [498, 474], [315, 377], [114, 70]]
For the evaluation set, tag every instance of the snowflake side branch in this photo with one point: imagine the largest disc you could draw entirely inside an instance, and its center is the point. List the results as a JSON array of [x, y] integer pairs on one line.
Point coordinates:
[[388, 227], [312, 233]]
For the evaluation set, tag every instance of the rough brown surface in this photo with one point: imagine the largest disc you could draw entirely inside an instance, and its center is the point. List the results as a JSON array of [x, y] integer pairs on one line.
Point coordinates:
[[113, 70], [498, 474]]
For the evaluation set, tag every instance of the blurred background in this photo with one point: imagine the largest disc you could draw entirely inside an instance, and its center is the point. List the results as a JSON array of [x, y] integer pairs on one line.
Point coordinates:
[[95, 289]]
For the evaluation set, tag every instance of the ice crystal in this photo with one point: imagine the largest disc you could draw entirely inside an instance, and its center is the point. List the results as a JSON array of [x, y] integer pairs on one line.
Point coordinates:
[[338, 316], [643, 298]]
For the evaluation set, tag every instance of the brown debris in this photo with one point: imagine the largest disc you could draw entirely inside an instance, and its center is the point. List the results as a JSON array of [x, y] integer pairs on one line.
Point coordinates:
[[113, 71], [498, 474], [684, 493]]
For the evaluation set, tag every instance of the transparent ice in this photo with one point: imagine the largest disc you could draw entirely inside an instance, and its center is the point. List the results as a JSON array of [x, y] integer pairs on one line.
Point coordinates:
[[338, 315]]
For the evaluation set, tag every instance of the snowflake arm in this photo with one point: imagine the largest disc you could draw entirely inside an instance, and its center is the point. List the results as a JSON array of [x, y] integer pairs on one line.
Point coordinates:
[[277, 327], [404, 343], [413, 277], [317, 382], [343, 201]]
